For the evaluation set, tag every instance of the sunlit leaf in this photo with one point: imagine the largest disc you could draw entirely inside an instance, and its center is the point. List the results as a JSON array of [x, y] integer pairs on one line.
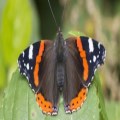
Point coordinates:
[[15, 33], [15, 30], [76, 33]]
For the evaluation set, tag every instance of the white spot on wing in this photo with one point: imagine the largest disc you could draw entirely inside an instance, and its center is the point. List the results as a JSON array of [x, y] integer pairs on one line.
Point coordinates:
[[99, 45], [27, 66], [98, 65], [23, 73], [90, 61], [94, 58], [24, 64], [33, 90], [54, 113], [88, 84], [23, 54], [27, 78], [91, 47], [95, 71], [68, 111], [31, 52], [97, 56]]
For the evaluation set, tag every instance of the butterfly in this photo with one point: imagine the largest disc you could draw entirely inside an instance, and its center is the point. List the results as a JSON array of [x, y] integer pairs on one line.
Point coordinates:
[[61, 67]]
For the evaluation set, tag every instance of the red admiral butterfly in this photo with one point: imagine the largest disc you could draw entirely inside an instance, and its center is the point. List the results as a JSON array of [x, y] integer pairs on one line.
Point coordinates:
[[61, 67]]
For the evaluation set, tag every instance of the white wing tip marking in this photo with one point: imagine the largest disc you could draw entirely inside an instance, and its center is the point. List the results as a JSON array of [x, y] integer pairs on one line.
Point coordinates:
[[30, 52], [91, 47]]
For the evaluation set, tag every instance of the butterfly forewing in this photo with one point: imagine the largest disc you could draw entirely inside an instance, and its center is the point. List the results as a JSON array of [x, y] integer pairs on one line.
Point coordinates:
[[95, 56], [27, 61]]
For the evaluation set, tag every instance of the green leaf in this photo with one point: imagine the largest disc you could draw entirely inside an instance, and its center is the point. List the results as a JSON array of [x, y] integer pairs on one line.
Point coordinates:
[[76, 33], [15, 33], [15, 30], [3, 74], [103, 114], [19, 104]]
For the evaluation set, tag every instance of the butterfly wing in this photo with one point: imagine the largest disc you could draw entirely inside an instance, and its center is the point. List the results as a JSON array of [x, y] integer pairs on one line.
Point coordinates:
[[37, 64], [80, 67], [93, 55]]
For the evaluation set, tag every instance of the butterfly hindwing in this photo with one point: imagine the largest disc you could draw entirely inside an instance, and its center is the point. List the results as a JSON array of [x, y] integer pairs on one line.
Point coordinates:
[[37, 63]]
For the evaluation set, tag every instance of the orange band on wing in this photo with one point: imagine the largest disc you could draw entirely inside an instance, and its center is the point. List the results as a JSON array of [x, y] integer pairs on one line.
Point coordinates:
[[38, 60], [83, 56], [78, 101], [46, 106]]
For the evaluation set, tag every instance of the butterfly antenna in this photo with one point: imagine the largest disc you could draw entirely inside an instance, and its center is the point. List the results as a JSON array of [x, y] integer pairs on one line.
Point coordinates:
[[53, 14]]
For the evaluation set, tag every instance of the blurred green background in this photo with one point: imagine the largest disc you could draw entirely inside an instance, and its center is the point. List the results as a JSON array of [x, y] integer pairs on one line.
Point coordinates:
[[23, 22]]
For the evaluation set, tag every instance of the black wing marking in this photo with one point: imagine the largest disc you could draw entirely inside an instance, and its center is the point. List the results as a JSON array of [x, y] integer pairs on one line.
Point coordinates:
[[27, 61], [95, 54]]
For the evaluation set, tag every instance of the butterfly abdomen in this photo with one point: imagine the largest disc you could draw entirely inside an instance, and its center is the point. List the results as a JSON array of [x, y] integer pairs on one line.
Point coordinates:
[[60, 75]]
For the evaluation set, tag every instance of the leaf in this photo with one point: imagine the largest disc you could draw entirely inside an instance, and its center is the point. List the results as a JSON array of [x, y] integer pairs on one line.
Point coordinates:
[[103, 113], [15, 30], [3, 74], [76, 33], [15, 33], [19, 104]]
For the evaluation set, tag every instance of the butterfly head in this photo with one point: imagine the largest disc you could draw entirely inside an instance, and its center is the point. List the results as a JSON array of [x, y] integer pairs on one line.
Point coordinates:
[[59, 44]]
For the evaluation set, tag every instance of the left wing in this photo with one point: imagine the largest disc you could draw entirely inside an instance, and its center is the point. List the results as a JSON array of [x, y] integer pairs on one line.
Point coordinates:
[[37, 63]]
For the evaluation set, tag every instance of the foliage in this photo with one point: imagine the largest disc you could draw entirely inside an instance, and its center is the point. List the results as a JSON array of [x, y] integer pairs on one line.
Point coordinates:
[[15, 33], [19, 103]]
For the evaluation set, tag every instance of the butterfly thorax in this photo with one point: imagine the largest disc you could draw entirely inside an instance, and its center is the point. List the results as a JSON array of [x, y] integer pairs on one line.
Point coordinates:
[[59, 46]]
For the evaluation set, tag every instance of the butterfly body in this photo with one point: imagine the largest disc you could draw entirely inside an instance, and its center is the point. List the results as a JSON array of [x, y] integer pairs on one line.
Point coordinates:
[[61, 67]]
